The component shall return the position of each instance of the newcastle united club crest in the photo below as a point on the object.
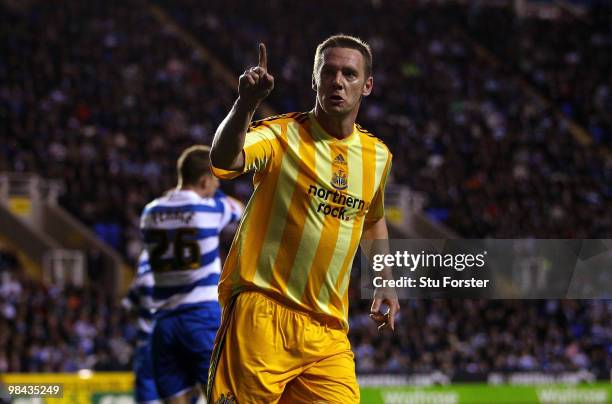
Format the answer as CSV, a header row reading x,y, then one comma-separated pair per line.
x,y
340,176
339,180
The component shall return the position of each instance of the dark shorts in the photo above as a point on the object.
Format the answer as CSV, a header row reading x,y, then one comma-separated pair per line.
x,y
143,369
182,344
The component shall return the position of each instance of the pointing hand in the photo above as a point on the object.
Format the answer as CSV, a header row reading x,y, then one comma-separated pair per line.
x,y
255,84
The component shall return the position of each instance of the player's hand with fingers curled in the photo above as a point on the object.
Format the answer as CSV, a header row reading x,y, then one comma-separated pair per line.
x,y
255,84
388,297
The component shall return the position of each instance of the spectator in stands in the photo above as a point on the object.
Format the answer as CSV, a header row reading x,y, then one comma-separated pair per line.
x,y
87,94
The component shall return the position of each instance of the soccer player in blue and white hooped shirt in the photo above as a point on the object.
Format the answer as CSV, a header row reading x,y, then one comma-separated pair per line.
x,y
181,235
139,299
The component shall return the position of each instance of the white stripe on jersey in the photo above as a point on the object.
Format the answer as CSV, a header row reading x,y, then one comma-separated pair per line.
x,y
180,278
199,294
201,220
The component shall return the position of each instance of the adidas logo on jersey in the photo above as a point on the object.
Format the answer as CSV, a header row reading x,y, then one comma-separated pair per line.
x,y
340,160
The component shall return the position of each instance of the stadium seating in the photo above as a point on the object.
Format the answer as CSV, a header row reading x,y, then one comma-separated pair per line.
x,y
47,329
566,58
105,97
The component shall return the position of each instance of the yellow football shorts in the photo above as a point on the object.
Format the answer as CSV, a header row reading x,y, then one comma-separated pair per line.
x,y
266,352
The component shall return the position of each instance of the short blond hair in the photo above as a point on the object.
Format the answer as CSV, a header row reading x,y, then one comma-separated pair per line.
x,y
192,164
343,41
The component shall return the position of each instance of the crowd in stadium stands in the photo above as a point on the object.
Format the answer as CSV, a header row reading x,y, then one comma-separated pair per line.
x,y
105,97
492,159
51,329
479,336
84,328
569,59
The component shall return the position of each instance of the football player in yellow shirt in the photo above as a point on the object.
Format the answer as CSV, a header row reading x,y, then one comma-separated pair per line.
x,y
319,191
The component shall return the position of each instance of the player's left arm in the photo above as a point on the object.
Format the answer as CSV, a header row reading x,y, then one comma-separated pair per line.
x,y
236,208
375,240
233,210
131,301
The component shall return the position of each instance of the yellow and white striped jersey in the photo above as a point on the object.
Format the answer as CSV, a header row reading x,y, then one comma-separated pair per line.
x,y
301,228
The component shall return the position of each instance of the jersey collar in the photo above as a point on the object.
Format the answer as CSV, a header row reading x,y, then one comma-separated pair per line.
x,y
319,133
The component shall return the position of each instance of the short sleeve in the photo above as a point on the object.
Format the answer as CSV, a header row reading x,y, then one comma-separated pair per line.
x,y
236,209
232,211
259,145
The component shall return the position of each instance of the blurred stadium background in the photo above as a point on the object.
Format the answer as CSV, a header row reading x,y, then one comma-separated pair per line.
x,y
499,115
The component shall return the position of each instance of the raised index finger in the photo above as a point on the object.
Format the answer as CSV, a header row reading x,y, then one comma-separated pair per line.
x,y
263,57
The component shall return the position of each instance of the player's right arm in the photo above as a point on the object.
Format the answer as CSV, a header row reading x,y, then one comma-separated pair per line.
x,y
254,85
